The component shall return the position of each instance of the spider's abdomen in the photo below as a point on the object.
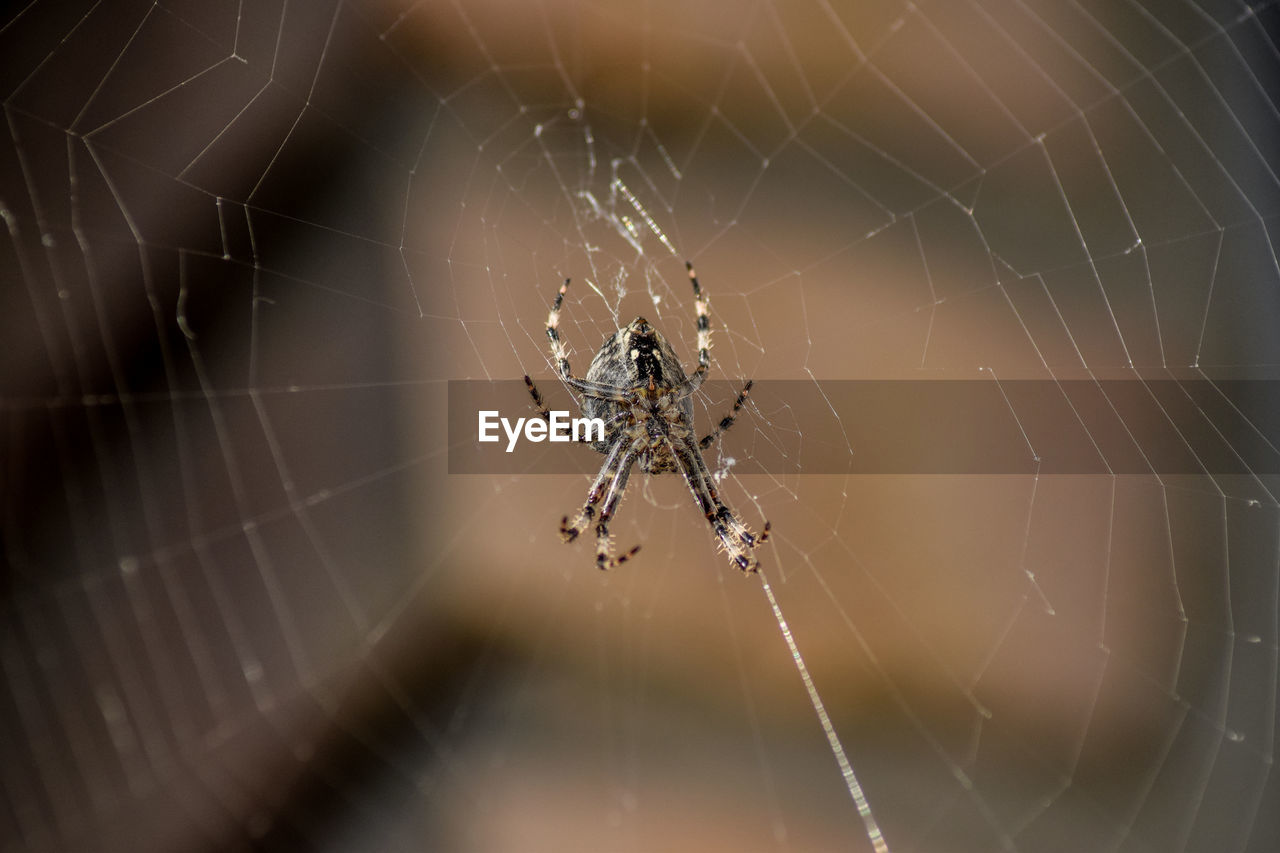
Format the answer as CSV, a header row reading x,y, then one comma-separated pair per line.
x,y
638,359
636,356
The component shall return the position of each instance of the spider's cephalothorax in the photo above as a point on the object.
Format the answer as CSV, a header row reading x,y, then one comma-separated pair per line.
x,y
635,384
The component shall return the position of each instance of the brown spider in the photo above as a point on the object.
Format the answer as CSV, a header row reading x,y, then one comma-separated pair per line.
x,y
635,384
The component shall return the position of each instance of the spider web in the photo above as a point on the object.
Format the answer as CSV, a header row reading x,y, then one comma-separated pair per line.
x,y
249,245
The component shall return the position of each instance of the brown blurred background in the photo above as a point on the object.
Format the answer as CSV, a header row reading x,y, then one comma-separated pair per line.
x,y
247,606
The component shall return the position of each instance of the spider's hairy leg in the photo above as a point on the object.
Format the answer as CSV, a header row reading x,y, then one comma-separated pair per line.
x,y
558,350
741,530
728,420
605,559
538,403
543,412
570,532
560,354
704,325
735,537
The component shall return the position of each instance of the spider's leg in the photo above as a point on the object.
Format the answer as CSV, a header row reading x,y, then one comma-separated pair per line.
x,y
741,530
703,321
570,532
538,403
558,350
560,353
727,420
543,412
605,559
704,336
736,538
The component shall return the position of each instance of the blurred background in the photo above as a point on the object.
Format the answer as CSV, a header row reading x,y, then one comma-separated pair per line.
x,y
247,246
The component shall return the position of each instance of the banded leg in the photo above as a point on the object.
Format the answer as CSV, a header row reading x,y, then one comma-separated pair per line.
x,y
538,403
541,405
742,531
728,420
558,351
604,558
570,532
704,336
736,538
561,355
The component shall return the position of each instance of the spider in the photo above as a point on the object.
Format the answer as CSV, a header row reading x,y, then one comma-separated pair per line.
x,y
635,384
